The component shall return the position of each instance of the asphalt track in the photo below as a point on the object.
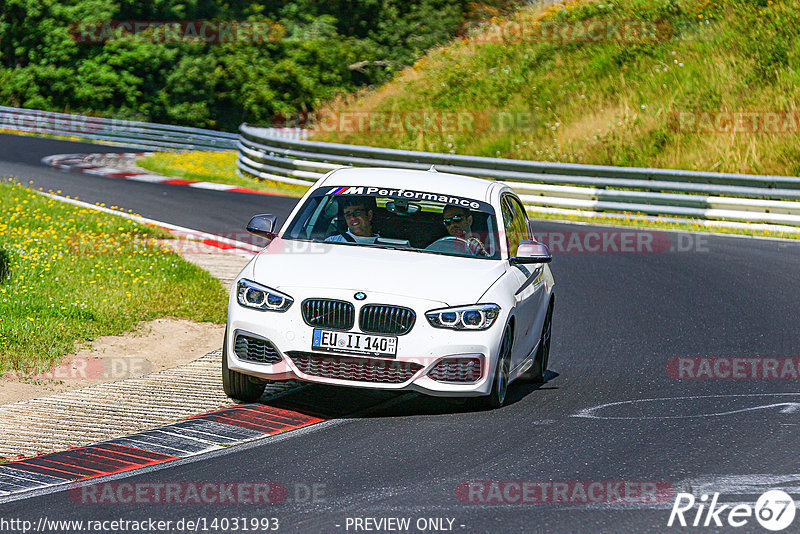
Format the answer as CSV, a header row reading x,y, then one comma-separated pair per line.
x,y
221,213
619,318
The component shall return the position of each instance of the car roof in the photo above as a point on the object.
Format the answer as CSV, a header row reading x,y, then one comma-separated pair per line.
x,y
415,180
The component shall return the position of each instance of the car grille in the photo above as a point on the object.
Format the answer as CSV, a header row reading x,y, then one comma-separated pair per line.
x,y
357,369
457,370
327,313
253,349
385,319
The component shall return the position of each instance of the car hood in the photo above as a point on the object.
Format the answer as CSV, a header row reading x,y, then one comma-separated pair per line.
x,y
450,280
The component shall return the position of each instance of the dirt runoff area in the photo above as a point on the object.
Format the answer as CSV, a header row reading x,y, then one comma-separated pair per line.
x,y
153,346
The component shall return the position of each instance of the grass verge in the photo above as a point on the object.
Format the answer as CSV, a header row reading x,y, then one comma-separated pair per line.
x,y
557,83
73,274
714,87
219,167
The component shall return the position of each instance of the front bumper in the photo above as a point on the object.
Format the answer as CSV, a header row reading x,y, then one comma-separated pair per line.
x,y
418,352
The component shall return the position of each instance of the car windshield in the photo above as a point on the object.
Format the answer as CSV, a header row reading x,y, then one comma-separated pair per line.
x,y
397,218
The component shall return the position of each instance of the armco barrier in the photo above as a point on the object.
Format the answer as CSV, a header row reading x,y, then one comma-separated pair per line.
x,y
729,199
136,134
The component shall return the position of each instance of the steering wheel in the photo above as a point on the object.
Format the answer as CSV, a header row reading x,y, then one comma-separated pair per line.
x,y
452,244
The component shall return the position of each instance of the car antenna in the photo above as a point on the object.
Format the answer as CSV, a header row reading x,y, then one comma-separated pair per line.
x,y
433,169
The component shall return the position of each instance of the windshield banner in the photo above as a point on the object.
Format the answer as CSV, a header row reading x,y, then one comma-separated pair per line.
x,y
408,195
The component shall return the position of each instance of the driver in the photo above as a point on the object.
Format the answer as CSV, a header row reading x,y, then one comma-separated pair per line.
x,y
358,215
458,222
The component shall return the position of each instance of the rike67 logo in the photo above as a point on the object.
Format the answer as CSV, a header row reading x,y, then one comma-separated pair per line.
x,y
774,510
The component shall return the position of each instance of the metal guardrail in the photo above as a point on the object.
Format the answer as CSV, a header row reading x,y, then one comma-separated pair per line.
x,y
545,186
136,134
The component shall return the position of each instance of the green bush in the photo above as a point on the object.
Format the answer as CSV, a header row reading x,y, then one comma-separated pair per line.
x,y
215,85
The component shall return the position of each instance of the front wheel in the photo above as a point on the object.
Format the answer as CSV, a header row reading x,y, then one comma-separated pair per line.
x,y
497,397
237,385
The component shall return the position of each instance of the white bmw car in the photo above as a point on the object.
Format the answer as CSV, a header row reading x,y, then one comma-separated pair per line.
x,y
393,279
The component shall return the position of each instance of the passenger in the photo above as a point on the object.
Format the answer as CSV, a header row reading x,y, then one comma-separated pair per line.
x,y
358,214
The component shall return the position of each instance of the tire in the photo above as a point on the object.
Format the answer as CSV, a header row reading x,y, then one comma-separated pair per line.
x,y
497,397
542,357
237,385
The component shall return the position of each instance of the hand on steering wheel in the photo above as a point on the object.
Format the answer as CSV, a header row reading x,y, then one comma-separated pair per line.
x,y
476,247
457,244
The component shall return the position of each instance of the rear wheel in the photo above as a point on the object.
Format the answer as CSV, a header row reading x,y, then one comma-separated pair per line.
x,y
542,357
497,397
237,385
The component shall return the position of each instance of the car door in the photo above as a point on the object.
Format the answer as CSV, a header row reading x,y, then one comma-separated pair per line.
x,y
529,297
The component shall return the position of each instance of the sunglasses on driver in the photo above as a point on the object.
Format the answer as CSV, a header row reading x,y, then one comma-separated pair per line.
x,y
447,221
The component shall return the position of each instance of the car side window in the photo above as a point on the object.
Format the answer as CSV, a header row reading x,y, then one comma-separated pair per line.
x,y
508,226
516,223
521,218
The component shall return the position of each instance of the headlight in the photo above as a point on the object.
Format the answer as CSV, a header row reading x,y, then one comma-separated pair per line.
x,y
253,295
476,317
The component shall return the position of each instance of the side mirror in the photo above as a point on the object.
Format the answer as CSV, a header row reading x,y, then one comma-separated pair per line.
x,y
532,252
263,225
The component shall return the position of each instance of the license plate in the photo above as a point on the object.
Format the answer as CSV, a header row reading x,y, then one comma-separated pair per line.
x,y
354,343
